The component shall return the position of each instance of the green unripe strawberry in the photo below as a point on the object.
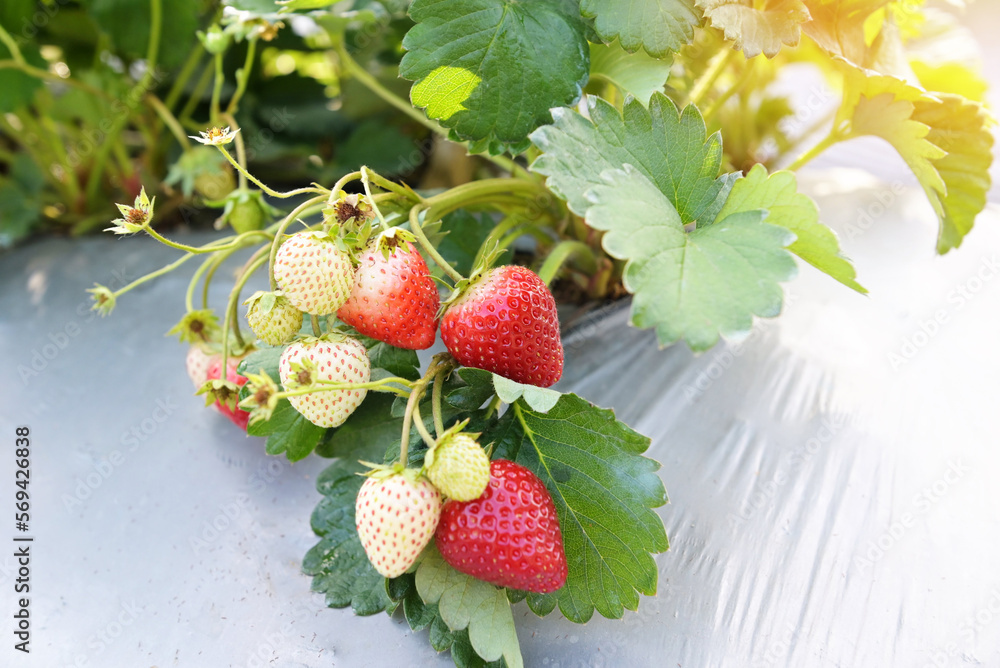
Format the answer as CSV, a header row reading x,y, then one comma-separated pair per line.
x,y
458,467
272,317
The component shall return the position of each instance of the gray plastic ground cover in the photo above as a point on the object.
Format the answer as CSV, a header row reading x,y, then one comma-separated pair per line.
x,y
831,504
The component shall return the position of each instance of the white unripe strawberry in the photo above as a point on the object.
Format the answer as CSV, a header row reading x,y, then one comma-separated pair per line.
x,y
396,515
197,362
335,359
459,467
313,273
272,317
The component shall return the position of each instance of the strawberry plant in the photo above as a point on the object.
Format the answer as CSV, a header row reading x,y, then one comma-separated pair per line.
x,y
462,481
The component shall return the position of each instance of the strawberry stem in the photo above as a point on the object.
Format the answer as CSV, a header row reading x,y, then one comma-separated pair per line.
x,y
562,252
425,242
280,232
418,422
436,403
368,194
382,385
273,193
253,264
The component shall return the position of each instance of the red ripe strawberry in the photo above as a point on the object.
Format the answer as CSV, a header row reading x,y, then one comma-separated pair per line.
x,y
394,299
396,514
506,322
239,416
509,536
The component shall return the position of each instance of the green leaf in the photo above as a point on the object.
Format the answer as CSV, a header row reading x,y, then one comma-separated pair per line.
x,y
491,69
473,388
18,88
658,26
338,563
962,128
671,150
289,433
757,28
465,602
127,22
397,361
541,399
694,285
604,491
463,234
262,360
778,195
635,74
20,200
368,433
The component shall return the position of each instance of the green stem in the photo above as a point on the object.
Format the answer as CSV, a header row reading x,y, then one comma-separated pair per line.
x,y
739,85
154,274
242,77
280,232
404,441
196,93
145,84
392,186
436,404
221,244
314,319
460,196
344,180
425,242
493,405
382,385
418,422
262,186
190,65
234,297
193,283
710,76
368,194
583,253
216,90
241,153
168,118
809,155
11,44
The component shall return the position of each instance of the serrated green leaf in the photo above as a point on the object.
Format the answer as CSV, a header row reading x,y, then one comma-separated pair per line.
x,y
635,74
262,360
670,149
962,128
465,602
127,22
604,491
658,26
290,433
469,388
490,70
694,285
338,563
778,195
541,399
397,361
757,28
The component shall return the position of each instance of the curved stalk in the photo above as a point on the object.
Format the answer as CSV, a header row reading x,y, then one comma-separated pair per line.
x,y
425,242
280,231
234,297
262,186
242,77
562,252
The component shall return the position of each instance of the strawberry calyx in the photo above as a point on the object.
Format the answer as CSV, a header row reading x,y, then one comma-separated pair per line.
x,y
442,438
482,267
201,326
263,397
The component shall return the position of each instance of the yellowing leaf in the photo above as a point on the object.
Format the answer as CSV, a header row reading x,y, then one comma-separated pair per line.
x,y
838,26
962,128
953,78
883,106
754,28
945,139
